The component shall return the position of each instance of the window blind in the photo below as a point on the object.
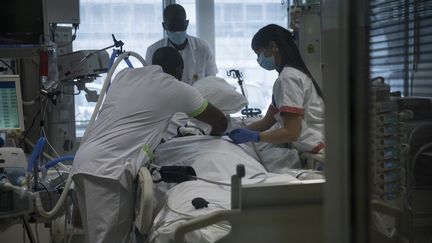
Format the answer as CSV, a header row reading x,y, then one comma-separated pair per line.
x,y
400,44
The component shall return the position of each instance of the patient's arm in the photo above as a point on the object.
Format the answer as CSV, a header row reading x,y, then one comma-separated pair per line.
x,y
214,117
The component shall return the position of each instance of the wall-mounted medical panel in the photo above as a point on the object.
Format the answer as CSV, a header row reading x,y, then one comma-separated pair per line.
x,y
63,11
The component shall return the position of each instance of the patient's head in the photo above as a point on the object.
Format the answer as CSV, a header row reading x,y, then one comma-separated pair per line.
x,y
170,60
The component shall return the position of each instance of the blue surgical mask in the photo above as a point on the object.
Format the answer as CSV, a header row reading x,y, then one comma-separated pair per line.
x,y
268,63
178,37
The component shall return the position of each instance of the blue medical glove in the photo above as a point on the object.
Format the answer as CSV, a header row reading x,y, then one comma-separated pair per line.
x,y
243,135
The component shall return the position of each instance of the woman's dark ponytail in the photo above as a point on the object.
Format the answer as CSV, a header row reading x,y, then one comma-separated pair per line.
x,y
290,54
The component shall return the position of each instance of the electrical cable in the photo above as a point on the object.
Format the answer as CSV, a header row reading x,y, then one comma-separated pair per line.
x,y
71,93
49,144
43,130
210,181
229,184
49,195
61,177
31,126
44,113
33,101
259,174
52,29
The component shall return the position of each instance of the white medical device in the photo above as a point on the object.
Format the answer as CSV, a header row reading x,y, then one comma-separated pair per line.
x,y
12,171
144,201
82,64
11,110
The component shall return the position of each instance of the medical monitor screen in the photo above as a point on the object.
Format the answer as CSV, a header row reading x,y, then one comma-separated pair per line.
x,y
11,117
21,23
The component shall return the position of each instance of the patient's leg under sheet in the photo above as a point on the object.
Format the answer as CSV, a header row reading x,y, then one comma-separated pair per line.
x,y
212,158
178,208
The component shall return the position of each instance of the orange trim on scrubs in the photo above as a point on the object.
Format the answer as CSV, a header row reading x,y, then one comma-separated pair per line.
x,y
273,108
292,110
318,148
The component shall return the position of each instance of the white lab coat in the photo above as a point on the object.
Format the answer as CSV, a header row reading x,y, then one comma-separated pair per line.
x,y
130,124
198,58
294,92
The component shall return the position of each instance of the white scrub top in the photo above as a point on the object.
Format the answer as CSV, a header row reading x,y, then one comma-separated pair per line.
x,y
134,115
294,92
198,58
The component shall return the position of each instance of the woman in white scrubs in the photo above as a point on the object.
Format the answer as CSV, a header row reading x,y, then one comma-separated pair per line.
x,y
297,105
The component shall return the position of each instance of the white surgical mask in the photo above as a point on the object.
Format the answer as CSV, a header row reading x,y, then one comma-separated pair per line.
x,y
268,63
177,37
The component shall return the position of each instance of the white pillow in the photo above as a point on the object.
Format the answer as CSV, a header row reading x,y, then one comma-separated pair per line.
x,y
221,94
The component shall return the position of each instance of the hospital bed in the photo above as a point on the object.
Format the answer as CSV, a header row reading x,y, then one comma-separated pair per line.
x,y
281,202
268,213
276,199
280,206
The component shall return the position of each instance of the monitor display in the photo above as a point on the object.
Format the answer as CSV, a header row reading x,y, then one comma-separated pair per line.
x,y
11,111
21,23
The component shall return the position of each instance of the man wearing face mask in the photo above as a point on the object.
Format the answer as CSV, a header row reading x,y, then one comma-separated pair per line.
x,y
197,55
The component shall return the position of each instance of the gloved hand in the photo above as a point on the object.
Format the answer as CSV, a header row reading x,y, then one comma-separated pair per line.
x,y
243,135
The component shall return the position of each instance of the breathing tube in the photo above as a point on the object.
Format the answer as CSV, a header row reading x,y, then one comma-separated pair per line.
x,y
36,153
56,161
107,83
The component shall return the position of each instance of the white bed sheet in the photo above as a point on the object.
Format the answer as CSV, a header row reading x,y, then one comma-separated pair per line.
x,y
214,159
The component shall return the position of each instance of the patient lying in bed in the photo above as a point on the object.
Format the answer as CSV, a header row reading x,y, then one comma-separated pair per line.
x,y
213,159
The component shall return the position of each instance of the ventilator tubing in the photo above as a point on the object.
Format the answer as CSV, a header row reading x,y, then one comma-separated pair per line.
x,y
106,84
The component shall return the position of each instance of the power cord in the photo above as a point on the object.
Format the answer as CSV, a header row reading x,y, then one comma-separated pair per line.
x,y
229,184
178,174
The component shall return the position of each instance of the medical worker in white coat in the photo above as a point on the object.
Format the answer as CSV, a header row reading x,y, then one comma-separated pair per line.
x,y
136,111
297,104
198,58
